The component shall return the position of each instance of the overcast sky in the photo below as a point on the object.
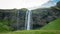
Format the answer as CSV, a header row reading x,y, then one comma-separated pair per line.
x,y
10,4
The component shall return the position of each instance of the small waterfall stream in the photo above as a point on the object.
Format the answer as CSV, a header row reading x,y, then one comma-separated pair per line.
x,y
18,20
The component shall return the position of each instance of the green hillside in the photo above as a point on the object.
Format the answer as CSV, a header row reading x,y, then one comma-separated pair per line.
x,y
54,25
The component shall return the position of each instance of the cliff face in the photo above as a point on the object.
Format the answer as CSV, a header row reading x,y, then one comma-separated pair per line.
x,y
46,15
40,17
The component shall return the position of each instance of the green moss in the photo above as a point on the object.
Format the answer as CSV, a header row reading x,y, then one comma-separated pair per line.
x,y
4,26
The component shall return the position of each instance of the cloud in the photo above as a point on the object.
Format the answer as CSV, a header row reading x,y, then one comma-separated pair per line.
x,y
10,4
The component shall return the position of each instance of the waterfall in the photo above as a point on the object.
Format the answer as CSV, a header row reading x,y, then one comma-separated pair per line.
x,y
28,20
18,20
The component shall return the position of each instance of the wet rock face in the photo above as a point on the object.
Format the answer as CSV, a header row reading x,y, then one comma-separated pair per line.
x,y
37,26
43,17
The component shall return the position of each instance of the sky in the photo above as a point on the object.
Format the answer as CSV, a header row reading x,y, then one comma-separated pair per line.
x,y
55,1
29,4
50,3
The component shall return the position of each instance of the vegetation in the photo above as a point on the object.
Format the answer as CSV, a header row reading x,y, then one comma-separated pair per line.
x,y
4,26
35,32
54,25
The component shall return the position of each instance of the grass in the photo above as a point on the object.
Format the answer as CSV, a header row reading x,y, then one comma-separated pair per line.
x,y
35,32
54,25
52,28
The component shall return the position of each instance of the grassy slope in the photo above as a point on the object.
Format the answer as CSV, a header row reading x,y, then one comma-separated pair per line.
x,y
54,25
51,28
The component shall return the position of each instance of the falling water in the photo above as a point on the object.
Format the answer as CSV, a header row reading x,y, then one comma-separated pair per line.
x,y
28,20
18,20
